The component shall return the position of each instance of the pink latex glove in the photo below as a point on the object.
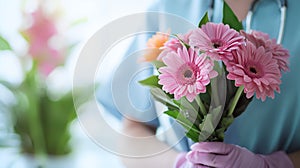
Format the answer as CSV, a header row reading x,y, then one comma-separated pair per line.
x,y
218,154
181,161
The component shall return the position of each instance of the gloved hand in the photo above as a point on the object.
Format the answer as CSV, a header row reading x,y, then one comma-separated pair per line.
x,y
218,154
181,161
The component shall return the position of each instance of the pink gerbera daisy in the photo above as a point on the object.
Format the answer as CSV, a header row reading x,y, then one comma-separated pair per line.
x,y
255,69
278,52
186,73
217,40
170,46
281,55
173,44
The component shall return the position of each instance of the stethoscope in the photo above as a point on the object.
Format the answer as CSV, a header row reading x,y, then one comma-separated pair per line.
x,y
282,6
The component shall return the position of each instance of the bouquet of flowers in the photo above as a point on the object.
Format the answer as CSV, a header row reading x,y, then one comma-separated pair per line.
x,y
209,75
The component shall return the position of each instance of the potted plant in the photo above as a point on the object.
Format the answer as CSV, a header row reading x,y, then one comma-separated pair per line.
x,y
41,117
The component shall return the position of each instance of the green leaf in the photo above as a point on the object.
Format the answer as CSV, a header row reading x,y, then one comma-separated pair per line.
x,y
209,123
192,131
151,81
230,18
181,119
224,124
241,105
4,45
204,20
162,97
191,109
25,36
186,105
226,121
158,64
192,135
56,116
187,46
205,97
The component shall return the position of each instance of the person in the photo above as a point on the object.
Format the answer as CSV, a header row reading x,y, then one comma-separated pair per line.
x,y
267,133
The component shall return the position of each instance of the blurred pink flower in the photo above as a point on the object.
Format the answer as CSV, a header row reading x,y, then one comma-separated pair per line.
x,y
217,40
48,64
186,73
173,44
278,52
255,69
43,28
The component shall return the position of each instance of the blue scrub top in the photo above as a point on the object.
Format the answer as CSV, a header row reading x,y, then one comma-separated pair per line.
x,y
267,126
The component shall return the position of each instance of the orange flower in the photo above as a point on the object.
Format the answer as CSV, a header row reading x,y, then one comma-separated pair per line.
x,y
154,44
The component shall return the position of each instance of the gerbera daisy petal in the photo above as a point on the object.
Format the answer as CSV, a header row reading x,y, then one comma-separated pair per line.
x,y
217,40
170,60
186,73
280,54
256,70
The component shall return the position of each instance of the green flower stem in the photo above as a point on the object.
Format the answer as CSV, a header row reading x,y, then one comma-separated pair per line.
x,y
35,126
235,100
201,105
214,83
36,131
214,93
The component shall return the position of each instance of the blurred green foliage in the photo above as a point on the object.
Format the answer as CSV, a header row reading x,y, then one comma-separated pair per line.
x,y
41,122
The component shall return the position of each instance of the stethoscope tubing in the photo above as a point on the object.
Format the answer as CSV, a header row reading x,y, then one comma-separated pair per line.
x,y
283,9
